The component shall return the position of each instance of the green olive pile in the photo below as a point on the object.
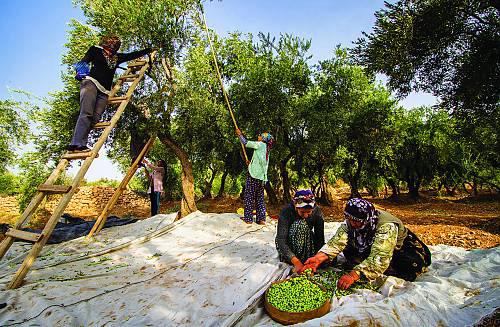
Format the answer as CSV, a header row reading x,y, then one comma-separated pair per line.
x,y
297,294
329,278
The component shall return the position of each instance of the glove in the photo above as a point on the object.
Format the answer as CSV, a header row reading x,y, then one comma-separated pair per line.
x,y
347,280
297,264
82,70
311,263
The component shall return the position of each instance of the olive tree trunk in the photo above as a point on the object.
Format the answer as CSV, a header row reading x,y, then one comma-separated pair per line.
x,y
188,204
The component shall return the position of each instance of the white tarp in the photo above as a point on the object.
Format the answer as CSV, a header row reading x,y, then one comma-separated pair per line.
x,y
211,270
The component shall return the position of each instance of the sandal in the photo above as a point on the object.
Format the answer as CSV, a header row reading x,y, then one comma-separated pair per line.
x,y
245,221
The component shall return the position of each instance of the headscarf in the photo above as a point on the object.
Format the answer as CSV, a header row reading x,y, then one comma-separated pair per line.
x,y
363,211
269,140
111,43
304,199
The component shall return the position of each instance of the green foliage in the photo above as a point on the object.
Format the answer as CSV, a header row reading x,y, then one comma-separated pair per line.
x,y
9,183
355,111
452,50
329,278
448,48
13,131
330,121
34,172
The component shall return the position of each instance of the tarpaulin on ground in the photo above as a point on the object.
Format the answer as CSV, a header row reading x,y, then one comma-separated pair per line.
x,y
211,270
74,227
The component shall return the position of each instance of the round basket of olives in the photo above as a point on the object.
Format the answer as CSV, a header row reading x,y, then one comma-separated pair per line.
x,y
295,300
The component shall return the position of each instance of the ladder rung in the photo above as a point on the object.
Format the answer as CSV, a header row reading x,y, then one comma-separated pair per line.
x,y
102,124
56,189
137,63
77,155
20,234
117,100
127,77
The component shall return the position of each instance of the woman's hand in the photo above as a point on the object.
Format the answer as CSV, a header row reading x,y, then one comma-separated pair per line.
x,y
297,265
238,132
311,263
347,280
314,262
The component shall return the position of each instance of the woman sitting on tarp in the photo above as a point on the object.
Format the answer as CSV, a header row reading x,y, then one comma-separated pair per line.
x,y
300,232
374,243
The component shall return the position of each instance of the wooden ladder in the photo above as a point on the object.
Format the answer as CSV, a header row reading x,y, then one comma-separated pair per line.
x,y
134,74
101,220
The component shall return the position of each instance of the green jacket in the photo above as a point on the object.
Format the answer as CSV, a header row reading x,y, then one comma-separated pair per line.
x,y
258,165
389,235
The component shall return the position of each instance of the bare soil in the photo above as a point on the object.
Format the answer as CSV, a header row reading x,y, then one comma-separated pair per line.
x,y
465,222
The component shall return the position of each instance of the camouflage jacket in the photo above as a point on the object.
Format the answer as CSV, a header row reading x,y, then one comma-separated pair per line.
x,y
380,256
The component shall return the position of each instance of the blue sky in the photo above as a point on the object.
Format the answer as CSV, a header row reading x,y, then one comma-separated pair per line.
x,y
33,34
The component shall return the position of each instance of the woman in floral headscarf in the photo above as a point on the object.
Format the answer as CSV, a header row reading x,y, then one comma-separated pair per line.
x,y
374,243
95,86
256,177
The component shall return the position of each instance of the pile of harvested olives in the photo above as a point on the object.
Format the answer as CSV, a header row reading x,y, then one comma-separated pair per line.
x,y
329,278
297,294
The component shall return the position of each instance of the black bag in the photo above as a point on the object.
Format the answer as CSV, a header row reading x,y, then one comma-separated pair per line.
x,y
410,260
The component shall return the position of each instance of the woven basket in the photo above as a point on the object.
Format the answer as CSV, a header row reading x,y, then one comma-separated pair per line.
x,y
289,318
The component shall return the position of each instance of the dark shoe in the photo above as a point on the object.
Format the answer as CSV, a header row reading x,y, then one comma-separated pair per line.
x,y
71,147
262,222
246,221
82,148
3,305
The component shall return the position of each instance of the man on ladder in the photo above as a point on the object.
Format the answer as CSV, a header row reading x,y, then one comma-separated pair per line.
x,y
96,84
104,63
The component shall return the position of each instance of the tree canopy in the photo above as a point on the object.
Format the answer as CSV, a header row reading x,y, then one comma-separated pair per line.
x,y
448,48
331,119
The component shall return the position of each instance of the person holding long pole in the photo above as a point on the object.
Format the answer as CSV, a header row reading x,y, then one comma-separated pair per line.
x,y
256,177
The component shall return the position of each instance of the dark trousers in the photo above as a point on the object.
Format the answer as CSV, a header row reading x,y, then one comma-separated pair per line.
x,y
254,199
155,202
92,105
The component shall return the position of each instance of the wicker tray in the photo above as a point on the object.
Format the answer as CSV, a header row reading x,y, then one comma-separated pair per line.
x,y
289,318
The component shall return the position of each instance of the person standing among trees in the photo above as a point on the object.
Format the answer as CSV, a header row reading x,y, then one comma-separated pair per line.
x,y
300,233
155,178
374,243
256,177
95,86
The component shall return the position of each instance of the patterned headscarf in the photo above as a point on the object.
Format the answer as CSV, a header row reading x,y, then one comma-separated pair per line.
x,y
112,43
360,210
269,140
304,199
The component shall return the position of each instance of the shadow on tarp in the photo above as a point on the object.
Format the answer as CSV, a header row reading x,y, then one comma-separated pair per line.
x,y
73,227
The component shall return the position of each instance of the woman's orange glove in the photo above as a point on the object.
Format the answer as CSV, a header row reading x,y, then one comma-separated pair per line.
x,y
297,264
347,280
311,263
